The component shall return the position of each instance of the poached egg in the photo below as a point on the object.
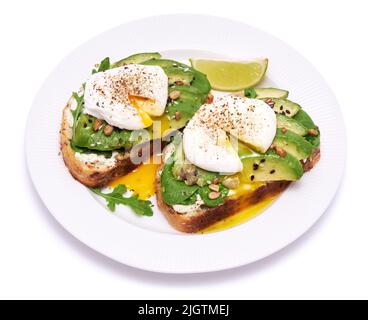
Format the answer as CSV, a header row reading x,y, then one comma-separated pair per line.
x,y
206,143
127,97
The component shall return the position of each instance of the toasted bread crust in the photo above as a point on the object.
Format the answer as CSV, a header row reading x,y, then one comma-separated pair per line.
x,y
209,216
87,174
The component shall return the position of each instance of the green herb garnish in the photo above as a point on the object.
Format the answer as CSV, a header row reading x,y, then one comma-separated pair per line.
x,y
250,93
103,66
76,113
140,207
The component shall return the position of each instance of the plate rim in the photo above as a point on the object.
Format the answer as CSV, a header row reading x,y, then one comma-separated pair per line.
x,y
208,268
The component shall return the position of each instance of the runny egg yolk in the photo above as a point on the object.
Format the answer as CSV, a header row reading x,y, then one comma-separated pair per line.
x,y
240,217
165,125
245,214
141,180
244,187
140,103
145,106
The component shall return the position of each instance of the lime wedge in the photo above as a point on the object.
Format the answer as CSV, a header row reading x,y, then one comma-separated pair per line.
x,y
231,75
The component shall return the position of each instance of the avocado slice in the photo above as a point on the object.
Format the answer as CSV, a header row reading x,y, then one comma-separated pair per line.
x,y
271,167
188,89
137,58
271,93
179,75
244,151
194,90
185,106
165,63
315,141
283,106
291,124
199,80
86,137
293,144
304,118
174,70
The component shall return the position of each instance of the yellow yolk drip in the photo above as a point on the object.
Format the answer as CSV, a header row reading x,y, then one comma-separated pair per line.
x,y
136,102
165,124
245,214
141,180
244,187
240,217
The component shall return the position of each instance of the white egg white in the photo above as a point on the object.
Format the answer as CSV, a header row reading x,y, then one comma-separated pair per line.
x,y
108,95
206,144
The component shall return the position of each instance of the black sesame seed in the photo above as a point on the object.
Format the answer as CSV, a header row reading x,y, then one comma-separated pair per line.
x,y
272,171
288,111
281,108
263,160
252,177
85,125
255,166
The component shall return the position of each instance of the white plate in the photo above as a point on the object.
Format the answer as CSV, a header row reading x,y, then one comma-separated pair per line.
x,y
150,243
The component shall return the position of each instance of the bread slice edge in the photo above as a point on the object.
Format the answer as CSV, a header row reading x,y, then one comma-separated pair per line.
x,y
206,217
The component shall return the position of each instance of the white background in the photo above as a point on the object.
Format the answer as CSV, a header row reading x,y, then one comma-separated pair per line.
x,y
38,259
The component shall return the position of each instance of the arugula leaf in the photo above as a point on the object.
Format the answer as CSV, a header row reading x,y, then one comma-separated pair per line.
x,y
250,93
103,66
76,113
140,207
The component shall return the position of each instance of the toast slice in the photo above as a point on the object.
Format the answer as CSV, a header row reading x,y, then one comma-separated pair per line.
x,y
94,170
204,217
